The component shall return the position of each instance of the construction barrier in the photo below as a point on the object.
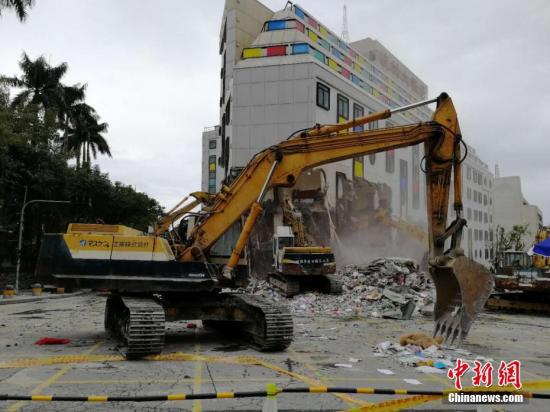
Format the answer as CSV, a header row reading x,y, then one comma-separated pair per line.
x,y
271,390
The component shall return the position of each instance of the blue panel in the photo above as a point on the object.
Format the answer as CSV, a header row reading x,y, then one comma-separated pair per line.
x,y
300,48
355,79
299,13
276,25
336,53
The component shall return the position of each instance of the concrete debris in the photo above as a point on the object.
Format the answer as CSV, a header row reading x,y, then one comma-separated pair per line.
x,y
386,287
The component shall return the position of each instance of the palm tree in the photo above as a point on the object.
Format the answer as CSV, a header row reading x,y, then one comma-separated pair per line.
x,y
20,7
41,84
85,134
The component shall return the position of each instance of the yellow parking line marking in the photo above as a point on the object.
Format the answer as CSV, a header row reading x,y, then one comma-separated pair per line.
x,y
197,381
49,382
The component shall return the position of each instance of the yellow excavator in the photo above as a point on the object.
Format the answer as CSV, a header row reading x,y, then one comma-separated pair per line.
x,y
299,264
149,284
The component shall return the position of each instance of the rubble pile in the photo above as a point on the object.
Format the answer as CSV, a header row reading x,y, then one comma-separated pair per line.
x,y
386,287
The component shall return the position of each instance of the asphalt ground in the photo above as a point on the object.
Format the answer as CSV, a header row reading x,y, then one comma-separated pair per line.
x,y
200,361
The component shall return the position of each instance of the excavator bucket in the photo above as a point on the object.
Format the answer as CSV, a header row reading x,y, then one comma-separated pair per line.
x,y
463,286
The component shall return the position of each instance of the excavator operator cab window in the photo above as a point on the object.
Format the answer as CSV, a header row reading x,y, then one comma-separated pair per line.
x,y
280,242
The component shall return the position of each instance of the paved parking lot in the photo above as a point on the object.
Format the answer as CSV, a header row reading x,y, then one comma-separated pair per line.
x,y
198,361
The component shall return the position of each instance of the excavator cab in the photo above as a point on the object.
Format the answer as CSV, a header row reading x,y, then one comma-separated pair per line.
x,y
283,238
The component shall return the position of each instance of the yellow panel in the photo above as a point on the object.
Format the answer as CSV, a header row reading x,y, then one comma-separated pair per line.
x,y
323,31
357,67
212,167
333,65
256,52
312,35
358,167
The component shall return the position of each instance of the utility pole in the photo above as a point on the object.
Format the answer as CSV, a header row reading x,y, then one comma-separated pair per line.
x,y
21,225
345,32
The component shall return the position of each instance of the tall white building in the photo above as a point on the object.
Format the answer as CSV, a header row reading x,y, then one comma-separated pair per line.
x,y
511,208
285,71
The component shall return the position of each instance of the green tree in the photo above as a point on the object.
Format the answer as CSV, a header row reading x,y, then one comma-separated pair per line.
x,y
81,134
85,134
40,83
20,7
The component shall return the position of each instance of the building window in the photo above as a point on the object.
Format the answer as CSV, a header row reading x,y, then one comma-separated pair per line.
x,y
323,96
486,253
212,174
343,108
475,215
469,213
228,112
469,173
485,200
390,161
358,112
485,220
469,193
486,235
212,144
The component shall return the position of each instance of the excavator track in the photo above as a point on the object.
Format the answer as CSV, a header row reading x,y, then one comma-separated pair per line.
x,y
289,285
270,327
335,286
138,322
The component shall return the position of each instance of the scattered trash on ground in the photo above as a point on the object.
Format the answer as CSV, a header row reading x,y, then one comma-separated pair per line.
x,y
386,371
386,287
52,341
435,358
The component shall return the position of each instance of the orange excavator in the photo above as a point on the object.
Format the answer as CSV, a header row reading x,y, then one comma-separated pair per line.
x,y
151,282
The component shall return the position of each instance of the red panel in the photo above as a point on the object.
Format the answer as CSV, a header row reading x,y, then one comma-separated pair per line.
x,y
312,22
347,60
345,73
300,26
276,51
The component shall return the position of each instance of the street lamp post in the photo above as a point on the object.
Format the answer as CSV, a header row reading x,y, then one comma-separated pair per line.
x,y
21,223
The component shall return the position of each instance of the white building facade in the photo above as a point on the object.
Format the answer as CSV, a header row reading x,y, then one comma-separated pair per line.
x,y
511,208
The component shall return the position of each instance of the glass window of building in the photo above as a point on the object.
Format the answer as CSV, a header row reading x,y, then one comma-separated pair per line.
x,y
469,173
342,108
212,144
212,174
323,96
469,213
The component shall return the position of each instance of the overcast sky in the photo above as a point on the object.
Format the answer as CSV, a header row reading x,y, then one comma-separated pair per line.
x,y
152,69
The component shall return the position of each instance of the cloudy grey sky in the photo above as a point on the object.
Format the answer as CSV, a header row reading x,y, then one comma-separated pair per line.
x,y
152,69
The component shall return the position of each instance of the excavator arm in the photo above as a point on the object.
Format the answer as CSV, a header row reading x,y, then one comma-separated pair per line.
x,y
462,285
